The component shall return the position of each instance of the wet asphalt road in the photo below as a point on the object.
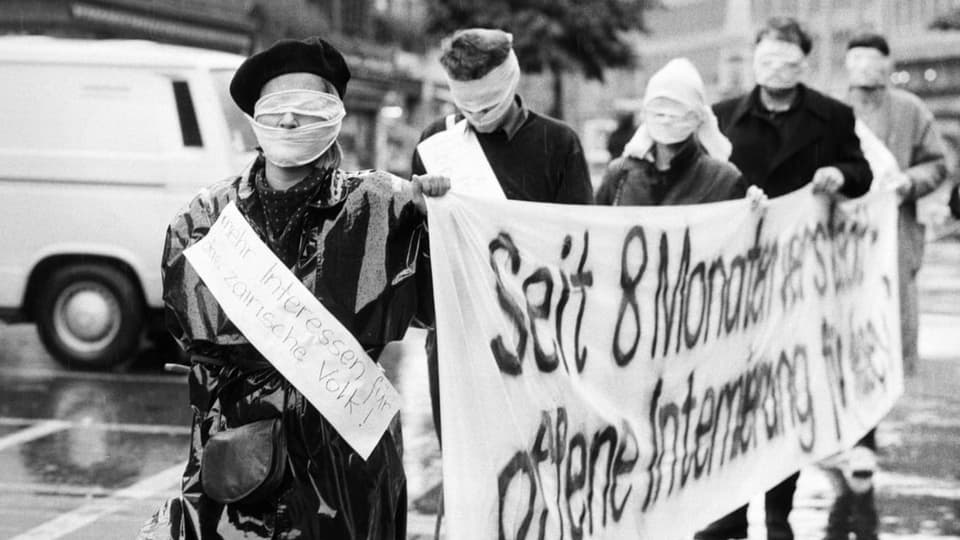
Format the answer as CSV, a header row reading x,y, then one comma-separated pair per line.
x,y
91,455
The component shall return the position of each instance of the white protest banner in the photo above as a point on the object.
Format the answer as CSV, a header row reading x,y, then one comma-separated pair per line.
x,y
637,372
292,329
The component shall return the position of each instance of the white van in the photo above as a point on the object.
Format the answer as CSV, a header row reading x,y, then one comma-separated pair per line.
x,y
100,143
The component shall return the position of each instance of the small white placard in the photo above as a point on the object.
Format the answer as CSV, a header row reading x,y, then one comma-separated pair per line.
x,y
292,329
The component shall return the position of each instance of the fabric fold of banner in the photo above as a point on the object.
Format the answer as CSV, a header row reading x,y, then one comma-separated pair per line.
x,y
636,372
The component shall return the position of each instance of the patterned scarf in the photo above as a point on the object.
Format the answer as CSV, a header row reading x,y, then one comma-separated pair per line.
x,y
284,210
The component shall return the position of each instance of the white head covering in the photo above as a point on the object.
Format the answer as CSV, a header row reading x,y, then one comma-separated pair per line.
x,y
867,66
679,81
779,64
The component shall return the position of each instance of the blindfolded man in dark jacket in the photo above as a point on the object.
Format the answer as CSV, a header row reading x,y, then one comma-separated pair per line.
x,y
786,135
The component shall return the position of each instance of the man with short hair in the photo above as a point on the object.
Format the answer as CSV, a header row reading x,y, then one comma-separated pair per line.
x,y
534,157
522,155
786,135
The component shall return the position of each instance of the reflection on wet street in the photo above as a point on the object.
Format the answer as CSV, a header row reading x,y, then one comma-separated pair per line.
x,y
90,455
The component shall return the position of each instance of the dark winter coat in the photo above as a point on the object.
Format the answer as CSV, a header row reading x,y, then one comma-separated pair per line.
x,y
780,153
693,178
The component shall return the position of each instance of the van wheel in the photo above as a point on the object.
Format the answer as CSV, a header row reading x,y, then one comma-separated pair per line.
x,y
89,316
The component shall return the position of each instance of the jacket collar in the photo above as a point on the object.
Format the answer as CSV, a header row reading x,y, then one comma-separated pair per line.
x,y
517,117
807,99
685,156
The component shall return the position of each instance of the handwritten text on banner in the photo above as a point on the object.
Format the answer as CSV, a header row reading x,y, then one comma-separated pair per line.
x,y
292,329
639,372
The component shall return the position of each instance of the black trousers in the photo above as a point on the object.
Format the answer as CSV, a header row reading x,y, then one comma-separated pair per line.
x,y
779,503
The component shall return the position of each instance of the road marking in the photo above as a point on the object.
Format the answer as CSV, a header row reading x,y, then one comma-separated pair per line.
x,y
42,373
67,523
35,431
149,429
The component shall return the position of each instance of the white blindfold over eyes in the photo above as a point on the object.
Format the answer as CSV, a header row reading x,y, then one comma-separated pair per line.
x,y
305,102
779,53
490,90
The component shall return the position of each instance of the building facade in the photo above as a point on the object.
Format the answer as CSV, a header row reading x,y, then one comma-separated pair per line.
x,y
227,25
387,87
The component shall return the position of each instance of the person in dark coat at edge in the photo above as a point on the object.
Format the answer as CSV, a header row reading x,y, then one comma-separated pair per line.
x,y
534,157
352,239
677,155
786,135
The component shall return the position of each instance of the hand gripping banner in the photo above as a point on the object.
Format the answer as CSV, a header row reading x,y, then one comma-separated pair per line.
x,y
637,372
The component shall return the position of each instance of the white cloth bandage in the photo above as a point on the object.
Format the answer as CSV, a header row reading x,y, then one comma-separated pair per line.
x,y
292,147
484,101
867,67
778,64
680,83
314,103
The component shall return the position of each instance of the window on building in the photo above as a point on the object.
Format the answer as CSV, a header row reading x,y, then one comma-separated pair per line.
x,y
353,18
99,110
189,127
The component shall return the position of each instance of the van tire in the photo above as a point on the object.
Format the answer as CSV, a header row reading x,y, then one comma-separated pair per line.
x,y
89,316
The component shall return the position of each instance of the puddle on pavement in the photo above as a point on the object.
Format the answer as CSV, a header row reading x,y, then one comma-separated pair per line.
x,y
97,400
92,457
421,451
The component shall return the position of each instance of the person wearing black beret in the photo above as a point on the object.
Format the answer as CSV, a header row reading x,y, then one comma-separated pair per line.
x,y
352,239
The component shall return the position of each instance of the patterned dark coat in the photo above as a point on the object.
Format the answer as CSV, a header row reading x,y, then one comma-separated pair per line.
x,y
359,254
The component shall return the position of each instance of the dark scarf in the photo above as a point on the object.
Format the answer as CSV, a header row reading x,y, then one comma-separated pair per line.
x,y
284,210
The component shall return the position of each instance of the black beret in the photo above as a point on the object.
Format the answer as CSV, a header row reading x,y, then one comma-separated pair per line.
x,y
310,55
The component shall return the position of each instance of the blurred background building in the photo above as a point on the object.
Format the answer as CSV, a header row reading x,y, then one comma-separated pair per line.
x,y
390,93
398,85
